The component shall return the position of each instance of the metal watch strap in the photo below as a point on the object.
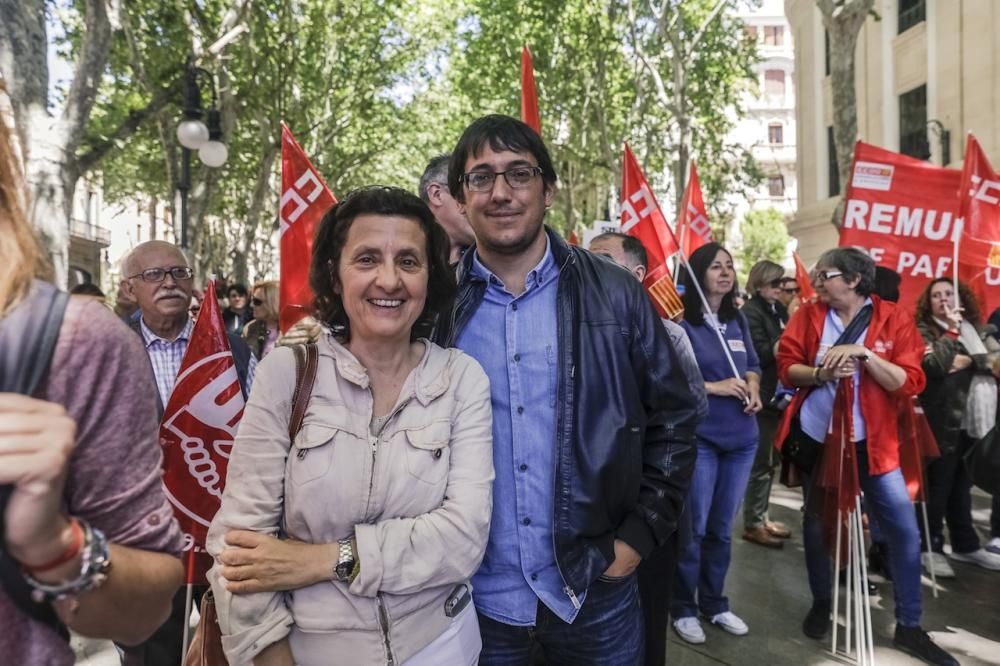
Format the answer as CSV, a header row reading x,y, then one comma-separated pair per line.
x,y
345,554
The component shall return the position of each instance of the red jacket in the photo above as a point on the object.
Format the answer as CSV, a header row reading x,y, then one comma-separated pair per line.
x,y
892,335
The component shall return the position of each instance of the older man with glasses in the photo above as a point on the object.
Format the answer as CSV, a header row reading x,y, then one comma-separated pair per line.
x,y
159,280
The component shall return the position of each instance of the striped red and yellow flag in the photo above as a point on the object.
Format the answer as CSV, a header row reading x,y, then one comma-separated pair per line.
x,y
663,291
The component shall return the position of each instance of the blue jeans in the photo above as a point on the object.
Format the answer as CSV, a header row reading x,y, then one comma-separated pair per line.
x,y
887,499
607,631
717,488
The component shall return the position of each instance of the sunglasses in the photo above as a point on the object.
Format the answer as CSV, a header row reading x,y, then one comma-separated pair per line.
x,y
790,290
257,302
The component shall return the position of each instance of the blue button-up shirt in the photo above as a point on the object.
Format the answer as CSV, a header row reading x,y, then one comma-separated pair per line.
x,y
514,338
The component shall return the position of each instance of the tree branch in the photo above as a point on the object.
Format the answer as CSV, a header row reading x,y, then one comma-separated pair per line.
x,y
128,126
94,49
698,36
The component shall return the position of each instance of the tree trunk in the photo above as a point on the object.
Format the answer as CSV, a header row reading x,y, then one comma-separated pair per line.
x,y
843,21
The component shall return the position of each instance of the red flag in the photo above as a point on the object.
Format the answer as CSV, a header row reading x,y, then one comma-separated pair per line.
x,y
304,200
573,239
643,219
837,483
917,446
979,245
903,211
693,228
529,97
806,291
198,428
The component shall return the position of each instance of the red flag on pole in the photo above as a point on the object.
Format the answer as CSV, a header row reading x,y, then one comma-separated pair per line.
x,y
979,244
529,97
642,218
304,200
806,291
198,428
573,239
693,228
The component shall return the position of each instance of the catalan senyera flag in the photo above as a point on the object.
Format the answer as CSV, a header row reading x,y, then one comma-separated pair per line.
x,y
806,290
529,95
979,245
693,228
198,430
304,200
642,218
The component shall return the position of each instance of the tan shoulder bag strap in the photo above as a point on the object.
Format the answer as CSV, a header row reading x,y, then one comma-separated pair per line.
x,y
306,362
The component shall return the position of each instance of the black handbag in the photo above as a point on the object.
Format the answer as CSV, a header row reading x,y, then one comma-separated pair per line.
x,y
983,462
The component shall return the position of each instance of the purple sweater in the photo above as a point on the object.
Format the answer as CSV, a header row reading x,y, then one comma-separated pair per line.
x,y
99,373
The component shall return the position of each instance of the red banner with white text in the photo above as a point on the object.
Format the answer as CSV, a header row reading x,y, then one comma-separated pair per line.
x,y
642,218
903,211
197,432
693,228
979,244
304,200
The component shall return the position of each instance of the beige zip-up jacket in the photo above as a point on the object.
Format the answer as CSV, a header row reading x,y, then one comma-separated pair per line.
x,y
418,499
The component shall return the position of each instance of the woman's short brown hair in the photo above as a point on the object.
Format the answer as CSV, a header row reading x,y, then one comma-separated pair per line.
x,y
331,236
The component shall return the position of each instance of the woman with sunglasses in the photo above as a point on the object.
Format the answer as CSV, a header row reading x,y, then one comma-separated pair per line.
x,y
262,332
767,317
850,333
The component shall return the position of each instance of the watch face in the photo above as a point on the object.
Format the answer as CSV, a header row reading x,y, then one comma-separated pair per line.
x,y
344,569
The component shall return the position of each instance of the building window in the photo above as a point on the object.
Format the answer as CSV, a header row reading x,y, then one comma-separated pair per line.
x,y
774,82
776,186
826,52
775,133
833,178
913,123
774,35
911,12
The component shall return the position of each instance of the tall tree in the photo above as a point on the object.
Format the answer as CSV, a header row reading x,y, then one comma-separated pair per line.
x,y
843,20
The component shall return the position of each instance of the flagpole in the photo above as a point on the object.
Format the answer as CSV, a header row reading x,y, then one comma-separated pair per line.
x,y
188,598
954,261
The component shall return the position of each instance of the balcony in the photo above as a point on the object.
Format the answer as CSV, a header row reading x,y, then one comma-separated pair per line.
x,y
83,230
771,153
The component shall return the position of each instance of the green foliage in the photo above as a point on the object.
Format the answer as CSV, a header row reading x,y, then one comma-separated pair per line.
x,y
765,236
372,90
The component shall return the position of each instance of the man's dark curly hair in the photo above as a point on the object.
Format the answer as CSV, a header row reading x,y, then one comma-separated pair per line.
x,y
331,236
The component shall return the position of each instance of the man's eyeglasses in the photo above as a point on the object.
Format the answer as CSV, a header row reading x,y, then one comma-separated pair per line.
x,y
790,290
823,276
518,178
178,273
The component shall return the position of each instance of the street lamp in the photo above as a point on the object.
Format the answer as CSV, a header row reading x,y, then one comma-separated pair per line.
x,y
193,135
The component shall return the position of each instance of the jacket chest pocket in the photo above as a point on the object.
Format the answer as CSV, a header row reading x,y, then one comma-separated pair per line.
x,y
428,451
313,451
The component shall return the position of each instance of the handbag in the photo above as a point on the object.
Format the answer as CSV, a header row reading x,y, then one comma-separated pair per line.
x,y
982,460
206,645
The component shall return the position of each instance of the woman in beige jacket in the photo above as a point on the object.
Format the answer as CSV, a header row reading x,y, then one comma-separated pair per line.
x,y
383,500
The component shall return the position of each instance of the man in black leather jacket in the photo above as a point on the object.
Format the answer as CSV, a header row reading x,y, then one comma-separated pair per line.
x,y
620,453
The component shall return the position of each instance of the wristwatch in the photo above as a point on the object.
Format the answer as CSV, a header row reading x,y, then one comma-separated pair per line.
x,y
94,568
868,355
345,561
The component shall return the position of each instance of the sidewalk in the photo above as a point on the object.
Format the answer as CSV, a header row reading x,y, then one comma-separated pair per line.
x,y
768,589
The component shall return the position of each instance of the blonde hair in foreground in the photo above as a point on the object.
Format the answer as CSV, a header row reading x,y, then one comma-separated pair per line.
x,y
19,252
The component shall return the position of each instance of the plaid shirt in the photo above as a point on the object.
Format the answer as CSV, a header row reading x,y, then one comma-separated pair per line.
x,y
166,356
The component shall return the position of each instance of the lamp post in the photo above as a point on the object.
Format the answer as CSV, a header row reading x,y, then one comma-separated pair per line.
x,y
193,134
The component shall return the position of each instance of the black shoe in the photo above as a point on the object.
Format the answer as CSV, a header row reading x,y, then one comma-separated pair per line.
x,y
872,587
914,641
817,622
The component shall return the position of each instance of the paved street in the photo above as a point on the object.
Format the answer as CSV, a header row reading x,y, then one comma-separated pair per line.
x,y
768,589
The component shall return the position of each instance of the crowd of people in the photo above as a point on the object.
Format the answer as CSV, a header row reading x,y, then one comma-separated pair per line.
x,y
503,450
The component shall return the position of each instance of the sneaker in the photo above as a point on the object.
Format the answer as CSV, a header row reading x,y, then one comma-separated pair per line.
x,y
939,563
993,546
689,629
981,558
817,622
914,641
730,623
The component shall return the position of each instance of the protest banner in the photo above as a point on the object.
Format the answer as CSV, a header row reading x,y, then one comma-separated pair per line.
x,y
979,243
